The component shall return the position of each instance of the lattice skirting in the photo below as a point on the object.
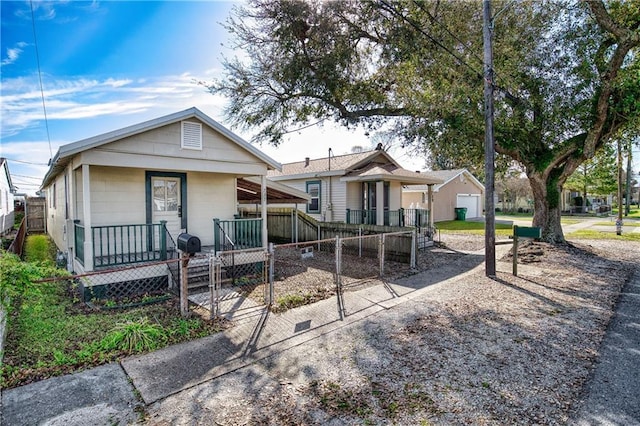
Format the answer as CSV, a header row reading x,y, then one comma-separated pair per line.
x,y
115,291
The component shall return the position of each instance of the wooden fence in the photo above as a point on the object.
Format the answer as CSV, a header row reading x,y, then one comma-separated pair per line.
x,y
35,213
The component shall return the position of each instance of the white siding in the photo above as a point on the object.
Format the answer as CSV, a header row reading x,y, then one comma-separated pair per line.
x,y
56,223
117,196
6,201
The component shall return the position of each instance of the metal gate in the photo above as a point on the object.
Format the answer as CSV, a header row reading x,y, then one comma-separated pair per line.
x,y
238,282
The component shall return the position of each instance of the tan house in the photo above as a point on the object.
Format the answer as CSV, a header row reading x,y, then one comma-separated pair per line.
x,y
124,196
360,188
458,188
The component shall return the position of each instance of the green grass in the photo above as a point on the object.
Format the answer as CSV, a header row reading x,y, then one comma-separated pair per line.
x,y
38,248
51,333
599,235
612,223
633,213
460,226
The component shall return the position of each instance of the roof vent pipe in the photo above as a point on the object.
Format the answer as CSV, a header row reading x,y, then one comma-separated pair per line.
x,y
306,161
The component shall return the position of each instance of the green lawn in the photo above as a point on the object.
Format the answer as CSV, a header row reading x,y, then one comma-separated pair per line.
x,y
50,332
460,226
599,235
633,213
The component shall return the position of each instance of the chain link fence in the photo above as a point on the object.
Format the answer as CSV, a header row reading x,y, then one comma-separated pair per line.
x,y
284,276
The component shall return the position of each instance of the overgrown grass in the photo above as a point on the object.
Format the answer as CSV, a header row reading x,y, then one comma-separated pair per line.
x,y
590,234
51,333
38,248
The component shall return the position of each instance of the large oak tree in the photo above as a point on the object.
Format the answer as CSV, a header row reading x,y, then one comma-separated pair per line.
x,y
567,75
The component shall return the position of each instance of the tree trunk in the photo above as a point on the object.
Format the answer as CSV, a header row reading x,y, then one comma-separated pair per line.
x,y
547,196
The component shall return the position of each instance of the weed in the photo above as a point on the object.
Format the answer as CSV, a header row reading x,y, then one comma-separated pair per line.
x,y
134,336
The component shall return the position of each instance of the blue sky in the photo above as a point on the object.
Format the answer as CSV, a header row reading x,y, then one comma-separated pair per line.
x,y
109,64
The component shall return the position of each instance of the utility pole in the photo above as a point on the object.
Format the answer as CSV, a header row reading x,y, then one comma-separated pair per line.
x,y
489,149
628,189
620,206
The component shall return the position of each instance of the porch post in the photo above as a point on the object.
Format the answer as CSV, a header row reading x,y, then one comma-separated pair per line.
x,y
430,204
263,199
86,215
379,203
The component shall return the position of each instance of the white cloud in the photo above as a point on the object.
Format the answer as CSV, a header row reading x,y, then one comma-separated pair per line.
x,y
75,99
13,53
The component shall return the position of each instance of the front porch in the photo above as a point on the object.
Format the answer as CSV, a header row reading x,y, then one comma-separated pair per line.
x,y
114,246
418,218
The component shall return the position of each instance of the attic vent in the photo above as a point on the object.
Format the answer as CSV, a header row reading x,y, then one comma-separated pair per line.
x,y
191,135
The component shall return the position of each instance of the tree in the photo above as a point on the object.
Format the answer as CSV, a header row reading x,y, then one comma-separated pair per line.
x,y
596,176
567,75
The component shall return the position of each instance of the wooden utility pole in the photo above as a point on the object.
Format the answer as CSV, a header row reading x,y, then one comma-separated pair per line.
x,y
489,149
620,205
627,198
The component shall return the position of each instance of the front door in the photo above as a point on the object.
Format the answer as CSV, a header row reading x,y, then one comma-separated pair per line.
x,y
167,203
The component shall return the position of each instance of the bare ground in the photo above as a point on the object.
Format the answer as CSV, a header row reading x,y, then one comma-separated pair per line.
x,y
510,350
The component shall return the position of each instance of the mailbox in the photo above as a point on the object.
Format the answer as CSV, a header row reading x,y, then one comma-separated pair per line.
x,y
188,243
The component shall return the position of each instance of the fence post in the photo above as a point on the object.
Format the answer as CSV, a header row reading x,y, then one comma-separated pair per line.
x,y
214,282
348,216
216,235
414,242
338,253
271,256
401,218
184,285
163,240
360,242
381,253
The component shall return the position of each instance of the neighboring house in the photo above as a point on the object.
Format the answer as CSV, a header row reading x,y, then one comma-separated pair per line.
x,y
125,196
358,188
7,192
459,188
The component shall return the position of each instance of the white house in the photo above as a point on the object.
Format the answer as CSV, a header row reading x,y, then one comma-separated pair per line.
x,y
7,192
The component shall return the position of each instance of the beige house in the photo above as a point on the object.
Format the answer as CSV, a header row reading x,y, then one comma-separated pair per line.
x,y
125,196
358,188
458,188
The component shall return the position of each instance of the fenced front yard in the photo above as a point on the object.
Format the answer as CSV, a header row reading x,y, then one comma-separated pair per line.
x,y
282,277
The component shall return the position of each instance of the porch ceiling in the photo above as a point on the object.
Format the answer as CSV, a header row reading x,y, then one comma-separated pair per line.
x,y
248,190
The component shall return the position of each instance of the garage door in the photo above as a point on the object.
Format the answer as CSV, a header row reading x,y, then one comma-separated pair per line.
x,y
471,202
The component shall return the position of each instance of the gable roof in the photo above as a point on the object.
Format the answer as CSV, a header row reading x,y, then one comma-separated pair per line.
x,y
362,166
445,176
334,165
65,152
5,166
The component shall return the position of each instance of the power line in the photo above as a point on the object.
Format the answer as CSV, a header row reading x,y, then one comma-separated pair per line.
x,y
44,108
27,162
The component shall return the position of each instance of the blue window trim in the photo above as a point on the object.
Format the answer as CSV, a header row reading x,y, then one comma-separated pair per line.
x,y
319,183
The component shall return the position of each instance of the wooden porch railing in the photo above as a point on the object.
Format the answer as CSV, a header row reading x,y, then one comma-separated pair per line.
x,y
115,245
237,234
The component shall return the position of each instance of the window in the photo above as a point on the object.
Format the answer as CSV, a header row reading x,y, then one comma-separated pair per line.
x,y
313,189
191,135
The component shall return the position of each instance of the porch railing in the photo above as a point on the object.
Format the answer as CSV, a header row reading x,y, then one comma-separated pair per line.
x,y
403,217
237,234
125,244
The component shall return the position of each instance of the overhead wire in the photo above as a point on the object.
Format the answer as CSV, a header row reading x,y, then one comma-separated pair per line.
x,y
44,107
